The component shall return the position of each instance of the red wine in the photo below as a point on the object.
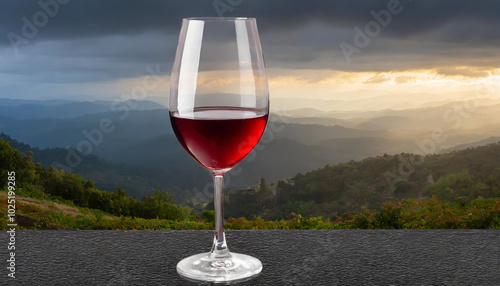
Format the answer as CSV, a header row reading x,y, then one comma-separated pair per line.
x,y
219,138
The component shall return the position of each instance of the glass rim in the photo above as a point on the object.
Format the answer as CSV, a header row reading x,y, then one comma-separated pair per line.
x,y
218,19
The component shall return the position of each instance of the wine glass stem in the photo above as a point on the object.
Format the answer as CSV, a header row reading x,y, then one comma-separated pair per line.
x,y
219,247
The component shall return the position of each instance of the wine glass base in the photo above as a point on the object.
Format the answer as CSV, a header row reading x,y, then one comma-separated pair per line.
x,y
203,268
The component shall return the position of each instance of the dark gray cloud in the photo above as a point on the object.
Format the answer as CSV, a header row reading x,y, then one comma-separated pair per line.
x,y
79,18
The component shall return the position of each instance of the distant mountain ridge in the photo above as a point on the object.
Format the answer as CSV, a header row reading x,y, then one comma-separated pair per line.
x,y
46,132
17,102
349,104
484,142
59,109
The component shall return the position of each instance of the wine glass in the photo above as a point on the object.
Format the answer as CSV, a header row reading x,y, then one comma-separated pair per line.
x,y
219,106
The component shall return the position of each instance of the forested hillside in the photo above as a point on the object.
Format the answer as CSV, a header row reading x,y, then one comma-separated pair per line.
x,y
339,192
139,181
36,181
459,176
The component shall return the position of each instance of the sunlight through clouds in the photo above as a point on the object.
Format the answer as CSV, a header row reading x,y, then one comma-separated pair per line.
x,y
81,58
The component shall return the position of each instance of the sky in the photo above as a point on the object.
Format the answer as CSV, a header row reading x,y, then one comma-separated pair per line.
x,y
404,51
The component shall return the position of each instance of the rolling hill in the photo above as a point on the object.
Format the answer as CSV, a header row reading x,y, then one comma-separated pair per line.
x,y
137,180
459,176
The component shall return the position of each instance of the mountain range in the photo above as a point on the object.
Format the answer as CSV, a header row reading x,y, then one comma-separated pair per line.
x,y
139,147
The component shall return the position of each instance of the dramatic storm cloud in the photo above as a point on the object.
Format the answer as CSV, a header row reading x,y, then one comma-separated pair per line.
x,y
97,49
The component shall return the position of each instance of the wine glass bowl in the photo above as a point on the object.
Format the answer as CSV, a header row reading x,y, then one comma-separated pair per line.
x,y
219,106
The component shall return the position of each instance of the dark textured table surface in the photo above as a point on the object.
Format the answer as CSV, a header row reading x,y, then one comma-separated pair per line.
x,y
307,257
